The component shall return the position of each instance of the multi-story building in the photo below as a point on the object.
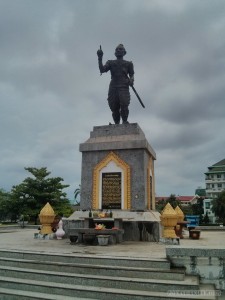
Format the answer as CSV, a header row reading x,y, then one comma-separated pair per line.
x,y
215,179
207,207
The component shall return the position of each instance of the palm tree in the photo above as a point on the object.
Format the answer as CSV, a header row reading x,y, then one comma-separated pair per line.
x,y
76,194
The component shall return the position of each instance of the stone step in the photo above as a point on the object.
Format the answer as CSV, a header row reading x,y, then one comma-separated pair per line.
x,y
88,259
103,270
81,291
10,294
189,283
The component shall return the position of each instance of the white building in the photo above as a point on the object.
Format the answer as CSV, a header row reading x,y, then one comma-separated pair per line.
x,y
215,179
215,184
207,206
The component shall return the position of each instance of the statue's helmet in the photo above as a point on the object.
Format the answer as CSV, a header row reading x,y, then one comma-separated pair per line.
x,y
120,48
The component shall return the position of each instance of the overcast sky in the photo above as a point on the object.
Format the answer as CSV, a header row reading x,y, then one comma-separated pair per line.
x,y
51,92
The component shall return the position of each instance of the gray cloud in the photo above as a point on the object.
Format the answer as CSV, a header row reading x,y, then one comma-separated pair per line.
x,y
52,93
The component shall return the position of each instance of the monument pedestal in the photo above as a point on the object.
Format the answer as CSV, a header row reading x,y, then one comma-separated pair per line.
x,y
117,169
118,175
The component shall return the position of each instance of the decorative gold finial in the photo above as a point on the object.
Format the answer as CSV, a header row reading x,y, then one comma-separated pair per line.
x,y
46,217
169,220
180,214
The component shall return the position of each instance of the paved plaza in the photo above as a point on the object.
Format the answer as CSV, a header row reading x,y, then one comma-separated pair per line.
x,y
23,239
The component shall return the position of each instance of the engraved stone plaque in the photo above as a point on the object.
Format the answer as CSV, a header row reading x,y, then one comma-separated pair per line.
x,y
111,190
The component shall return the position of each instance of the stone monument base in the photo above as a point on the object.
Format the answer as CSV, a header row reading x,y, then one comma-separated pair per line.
x,y
137,226
118,176
117,169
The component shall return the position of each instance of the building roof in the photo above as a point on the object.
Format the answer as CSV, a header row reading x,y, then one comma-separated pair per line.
x,y
180,198
200,192
217,167
220,163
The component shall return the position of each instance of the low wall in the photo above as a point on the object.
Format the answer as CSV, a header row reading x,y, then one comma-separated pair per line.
x,y
17,226
207,263
141,231
211,228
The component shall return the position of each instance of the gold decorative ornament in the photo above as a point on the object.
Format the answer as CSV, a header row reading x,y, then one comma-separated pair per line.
x,y
180,214
46,216
150,185
169,220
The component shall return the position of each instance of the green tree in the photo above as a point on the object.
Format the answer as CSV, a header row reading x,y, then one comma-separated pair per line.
x,y
173,201
8,207
218,207
206,219
4,205
198,210
160,205
34,192
198,207
187,209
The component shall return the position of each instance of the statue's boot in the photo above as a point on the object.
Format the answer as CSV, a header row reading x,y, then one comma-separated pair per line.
x,y
116,116
124,114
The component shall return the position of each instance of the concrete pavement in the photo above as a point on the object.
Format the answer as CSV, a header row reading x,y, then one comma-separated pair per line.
x,y
16,238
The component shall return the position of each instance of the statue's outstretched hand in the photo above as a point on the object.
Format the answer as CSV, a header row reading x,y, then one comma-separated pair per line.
x,y
100,52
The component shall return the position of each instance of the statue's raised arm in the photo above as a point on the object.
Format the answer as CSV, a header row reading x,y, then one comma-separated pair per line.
x,y
100,52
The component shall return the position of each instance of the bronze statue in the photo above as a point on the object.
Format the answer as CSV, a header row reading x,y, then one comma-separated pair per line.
x,y
122,76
